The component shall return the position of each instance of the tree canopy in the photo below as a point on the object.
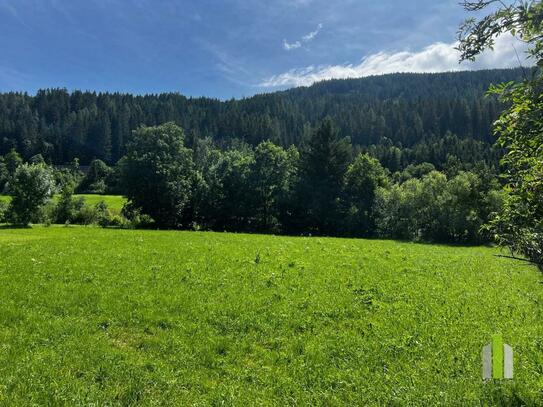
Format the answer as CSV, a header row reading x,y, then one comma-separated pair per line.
x,y
519,225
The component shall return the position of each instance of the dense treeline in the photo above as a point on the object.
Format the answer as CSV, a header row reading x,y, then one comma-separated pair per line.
x,y
401,119
325,187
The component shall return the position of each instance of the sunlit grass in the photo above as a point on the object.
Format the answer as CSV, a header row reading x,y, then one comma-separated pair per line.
x,y
114,202
119,317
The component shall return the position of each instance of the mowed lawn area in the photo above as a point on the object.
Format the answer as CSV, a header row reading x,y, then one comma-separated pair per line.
x,y
126,317
114,202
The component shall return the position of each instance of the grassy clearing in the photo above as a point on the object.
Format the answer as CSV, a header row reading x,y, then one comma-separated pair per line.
x,y
114,202
118,317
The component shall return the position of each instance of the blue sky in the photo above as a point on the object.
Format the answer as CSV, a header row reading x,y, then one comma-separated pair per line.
x,y
224,49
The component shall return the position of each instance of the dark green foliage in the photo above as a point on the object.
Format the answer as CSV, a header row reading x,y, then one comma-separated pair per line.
x,y
3,211
519,225
4,174
271,177
158,174
134,217
410,112
36,159
362,179
521,19
67,176
435,208
229,195
83,214
320,190
414,171
68,208
95,181
65,207
12,161
323,164
104,218
30,188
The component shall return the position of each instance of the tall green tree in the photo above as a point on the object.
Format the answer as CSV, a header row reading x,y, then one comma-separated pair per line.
x,y
434,208
4,174
158,175
520,127
409,110
323,164
229,204
362,179
270,177
12,160
30,188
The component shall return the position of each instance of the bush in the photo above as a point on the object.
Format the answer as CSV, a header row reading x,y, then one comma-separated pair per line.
x,y
31,187
85,215
106,219
65,207
3,212
434,208
116,221
134,218
95,180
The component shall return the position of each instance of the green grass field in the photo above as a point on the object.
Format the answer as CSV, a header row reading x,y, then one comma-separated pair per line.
x,y
114,202
120,317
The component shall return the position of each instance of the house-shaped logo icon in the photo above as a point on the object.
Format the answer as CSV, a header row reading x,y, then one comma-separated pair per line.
x,y
497,360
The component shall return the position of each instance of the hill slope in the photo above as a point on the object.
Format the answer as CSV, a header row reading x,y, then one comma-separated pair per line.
x,y
398,109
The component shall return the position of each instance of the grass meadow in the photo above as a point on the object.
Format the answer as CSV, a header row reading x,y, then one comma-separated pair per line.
x,y
94,316
114,202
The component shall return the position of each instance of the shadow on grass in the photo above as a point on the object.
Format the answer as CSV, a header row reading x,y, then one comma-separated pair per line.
x,y
8,226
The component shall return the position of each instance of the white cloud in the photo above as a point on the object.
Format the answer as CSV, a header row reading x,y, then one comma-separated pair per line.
x,y
312,34
288,46
438,57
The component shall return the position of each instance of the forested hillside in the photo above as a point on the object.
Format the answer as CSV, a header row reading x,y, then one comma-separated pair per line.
x,y
401,119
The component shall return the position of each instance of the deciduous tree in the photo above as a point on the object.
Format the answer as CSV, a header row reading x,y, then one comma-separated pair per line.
x,y
158,174
30,188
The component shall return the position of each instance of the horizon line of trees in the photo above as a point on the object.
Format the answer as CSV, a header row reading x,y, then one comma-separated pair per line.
x,y
326,187
409,112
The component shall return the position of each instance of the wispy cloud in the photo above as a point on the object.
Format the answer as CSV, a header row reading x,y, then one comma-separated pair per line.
x,y
312,34
288,46
438,57
231,68
13,79
11,11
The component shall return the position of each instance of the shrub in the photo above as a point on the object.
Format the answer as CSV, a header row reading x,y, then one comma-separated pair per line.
x,y
85,215
103,215
134,218
436,209
3,212
95,180
65,207
31,187
116,221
